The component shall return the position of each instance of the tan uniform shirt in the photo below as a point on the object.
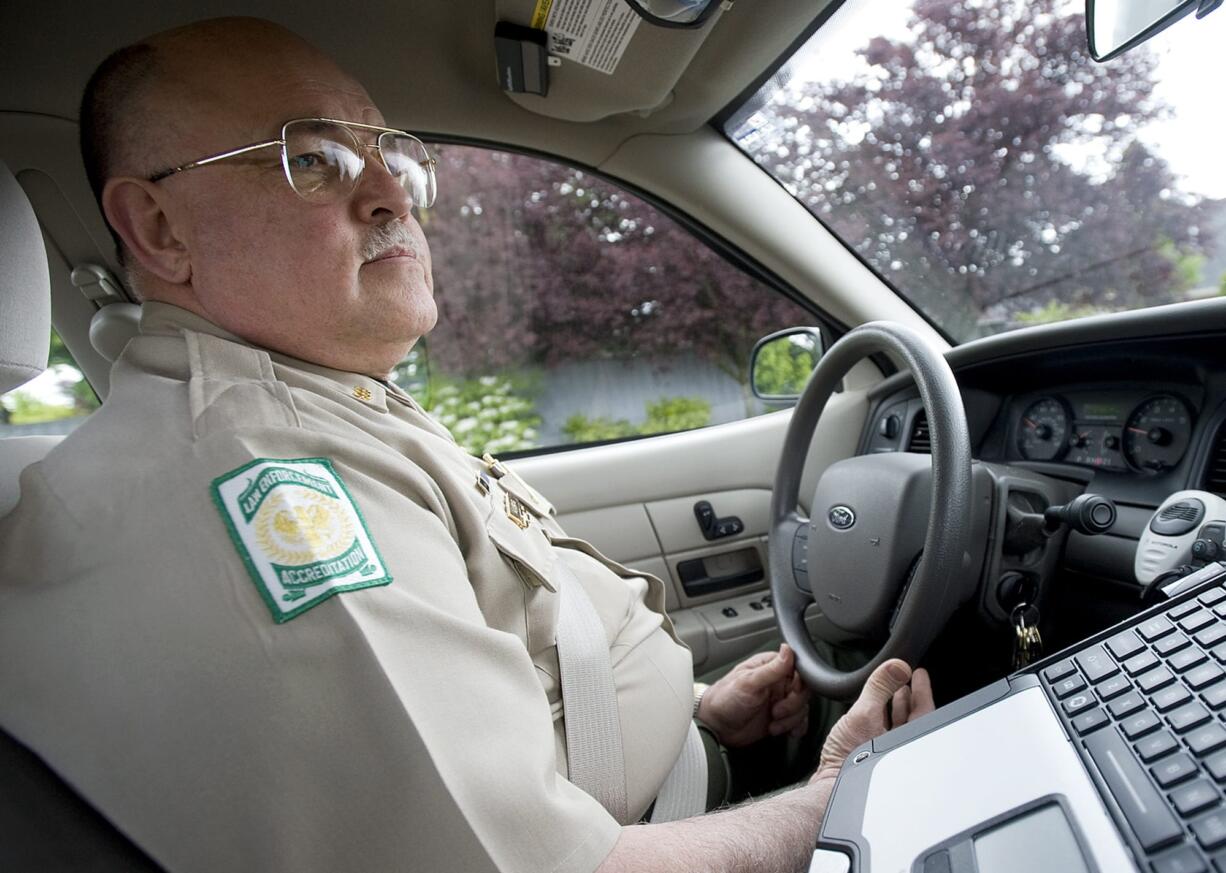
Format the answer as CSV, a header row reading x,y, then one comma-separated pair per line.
x,y
268,616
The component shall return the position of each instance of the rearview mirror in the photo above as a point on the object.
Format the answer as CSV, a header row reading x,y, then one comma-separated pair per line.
x,y
1115,26
782,363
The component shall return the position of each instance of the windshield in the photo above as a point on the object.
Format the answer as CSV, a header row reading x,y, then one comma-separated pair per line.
x,y
977,159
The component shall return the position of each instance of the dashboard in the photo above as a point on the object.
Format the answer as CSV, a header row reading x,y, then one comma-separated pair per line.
x,y
1144,430
1133,418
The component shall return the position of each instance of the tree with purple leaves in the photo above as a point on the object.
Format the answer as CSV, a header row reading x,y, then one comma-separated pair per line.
x,y
538,264
986,166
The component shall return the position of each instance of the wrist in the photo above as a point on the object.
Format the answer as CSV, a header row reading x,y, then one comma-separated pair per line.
x,y
700,693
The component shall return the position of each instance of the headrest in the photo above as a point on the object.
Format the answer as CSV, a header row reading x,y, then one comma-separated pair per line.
x,y
111,328
25,288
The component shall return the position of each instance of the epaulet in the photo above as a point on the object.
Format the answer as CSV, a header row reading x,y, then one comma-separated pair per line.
x,y
232,385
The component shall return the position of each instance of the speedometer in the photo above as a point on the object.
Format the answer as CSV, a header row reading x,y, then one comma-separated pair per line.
x,y
1043,433
1157,433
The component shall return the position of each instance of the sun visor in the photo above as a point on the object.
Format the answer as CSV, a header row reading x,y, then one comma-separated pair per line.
x,y
601,57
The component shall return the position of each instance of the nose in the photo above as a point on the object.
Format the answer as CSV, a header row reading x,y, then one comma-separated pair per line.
x,y
380,197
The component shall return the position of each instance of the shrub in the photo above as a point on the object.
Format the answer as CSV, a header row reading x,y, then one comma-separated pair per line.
x,y
489,414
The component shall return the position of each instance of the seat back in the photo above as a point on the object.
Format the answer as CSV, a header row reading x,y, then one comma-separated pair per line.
x,y
25,322
44,825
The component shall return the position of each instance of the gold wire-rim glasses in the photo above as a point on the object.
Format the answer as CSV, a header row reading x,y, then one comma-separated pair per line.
x,y
428,164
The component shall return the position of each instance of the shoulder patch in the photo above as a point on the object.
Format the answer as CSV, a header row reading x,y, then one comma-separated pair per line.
x,y
298,531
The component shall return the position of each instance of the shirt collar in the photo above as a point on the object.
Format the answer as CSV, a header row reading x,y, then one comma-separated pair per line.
x,y
159,318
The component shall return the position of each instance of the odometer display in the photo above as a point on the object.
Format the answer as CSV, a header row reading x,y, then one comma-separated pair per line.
x,y
1157,433
1044,429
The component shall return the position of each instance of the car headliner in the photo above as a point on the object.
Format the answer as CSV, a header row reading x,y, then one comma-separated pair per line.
x,y
49,50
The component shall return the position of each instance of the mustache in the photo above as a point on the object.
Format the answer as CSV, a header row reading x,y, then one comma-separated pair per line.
x,y
385,237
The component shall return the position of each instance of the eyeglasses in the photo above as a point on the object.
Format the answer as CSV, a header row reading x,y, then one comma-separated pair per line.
x,y
322,159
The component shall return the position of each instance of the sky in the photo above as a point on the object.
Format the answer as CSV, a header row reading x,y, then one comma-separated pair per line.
x,y
1188,79
1191,69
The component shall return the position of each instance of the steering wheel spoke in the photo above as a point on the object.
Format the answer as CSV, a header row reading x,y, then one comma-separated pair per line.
x,y
794,531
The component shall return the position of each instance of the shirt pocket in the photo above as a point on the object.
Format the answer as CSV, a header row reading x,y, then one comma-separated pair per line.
x,y
527,551
520,539
529,496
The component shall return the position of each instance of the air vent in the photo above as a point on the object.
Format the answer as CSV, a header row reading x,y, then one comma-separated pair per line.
x,y
1183,510
919,441
1215,473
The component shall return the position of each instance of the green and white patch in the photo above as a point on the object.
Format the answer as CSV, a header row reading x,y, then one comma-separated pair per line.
x,y
297,529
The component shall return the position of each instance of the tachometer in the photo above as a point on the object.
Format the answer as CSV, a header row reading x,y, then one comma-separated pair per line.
x,y
1043,433
1157,433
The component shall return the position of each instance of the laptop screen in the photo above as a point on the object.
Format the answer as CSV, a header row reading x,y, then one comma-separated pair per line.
x,y
1039,840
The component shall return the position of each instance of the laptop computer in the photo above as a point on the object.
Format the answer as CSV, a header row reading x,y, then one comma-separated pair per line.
x,y
1109,756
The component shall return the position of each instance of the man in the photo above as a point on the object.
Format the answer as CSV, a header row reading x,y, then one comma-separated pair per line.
x,y
277,620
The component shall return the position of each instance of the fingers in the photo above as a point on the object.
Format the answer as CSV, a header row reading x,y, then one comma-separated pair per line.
x,y
753,662
921,694
774,667
883,683
900,706
791,714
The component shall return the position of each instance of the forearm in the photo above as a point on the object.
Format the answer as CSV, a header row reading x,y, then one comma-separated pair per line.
x,y
775,835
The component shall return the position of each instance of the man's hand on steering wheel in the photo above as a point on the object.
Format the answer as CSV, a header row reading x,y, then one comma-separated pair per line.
x,y
892,696
762,696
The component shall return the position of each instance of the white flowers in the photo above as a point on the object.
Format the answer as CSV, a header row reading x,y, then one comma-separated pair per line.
x,y
486,415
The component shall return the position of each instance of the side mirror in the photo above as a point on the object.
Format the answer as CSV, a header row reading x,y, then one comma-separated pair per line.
x,y
1115,26
782,363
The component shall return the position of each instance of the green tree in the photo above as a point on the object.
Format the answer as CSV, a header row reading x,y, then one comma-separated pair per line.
x,y
581,429
1057,310
21,407
783,367
666,415
84,400
25,408
672,414
490,414
1186,266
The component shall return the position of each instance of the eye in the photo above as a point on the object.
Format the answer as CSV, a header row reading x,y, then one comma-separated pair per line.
x,y
306,161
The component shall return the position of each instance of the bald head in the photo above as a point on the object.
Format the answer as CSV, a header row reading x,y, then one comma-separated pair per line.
x,y
344,282
165,100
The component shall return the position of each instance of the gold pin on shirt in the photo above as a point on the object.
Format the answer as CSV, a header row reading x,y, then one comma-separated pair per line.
x,y
516,511
362,393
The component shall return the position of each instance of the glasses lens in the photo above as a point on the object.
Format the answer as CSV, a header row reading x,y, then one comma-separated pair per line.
x,y
407,159
322,160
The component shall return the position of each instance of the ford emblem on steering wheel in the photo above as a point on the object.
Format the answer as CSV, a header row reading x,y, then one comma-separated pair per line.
x,y
842,517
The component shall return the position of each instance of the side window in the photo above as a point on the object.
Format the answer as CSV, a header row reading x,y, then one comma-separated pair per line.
x,y
571,311
52,403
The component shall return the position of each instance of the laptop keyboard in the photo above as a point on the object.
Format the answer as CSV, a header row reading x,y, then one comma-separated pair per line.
x,y
1148,706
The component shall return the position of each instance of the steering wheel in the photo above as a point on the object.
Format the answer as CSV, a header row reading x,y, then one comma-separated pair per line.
x,y
860,548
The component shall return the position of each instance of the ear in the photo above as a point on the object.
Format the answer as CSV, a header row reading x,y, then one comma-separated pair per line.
x,y
138,210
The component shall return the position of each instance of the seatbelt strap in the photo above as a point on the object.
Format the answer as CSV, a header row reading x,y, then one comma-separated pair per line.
x,y
684,793
594,758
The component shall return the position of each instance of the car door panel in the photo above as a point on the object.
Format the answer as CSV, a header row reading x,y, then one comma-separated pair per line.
x,y
634,501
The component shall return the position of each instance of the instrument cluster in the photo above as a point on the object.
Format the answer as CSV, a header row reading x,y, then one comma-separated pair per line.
x,y
1109,430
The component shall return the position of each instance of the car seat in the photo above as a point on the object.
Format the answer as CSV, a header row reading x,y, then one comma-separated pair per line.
x,y
44,825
